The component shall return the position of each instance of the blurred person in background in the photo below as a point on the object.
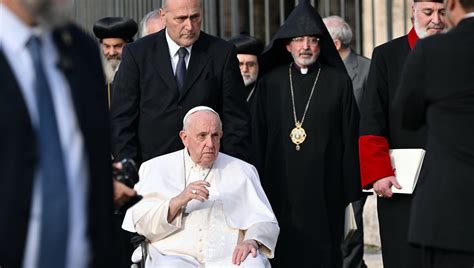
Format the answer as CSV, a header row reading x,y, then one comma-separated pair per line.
x,y
151,23
56,192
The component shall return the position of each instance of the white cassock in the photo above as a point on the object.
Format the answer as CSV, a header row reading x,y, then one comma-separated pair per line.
x,y
205,233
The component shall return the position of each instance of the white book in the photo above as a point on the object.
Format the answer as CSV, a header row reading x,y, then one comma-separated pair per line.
x,y
407,165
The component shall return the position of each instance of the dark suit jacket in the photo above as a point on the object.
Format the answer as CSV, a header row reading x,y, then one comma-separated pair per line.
x,y
147,110
382,83
378,123
357,67
437,89
19,156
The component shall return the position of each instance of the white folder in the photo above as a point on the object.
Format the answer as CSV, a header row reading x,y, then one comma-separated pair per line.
x,y
407,165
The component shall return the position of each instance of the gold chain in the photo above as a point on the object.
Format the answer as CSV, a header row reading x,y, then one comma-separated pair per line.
x,y
309,99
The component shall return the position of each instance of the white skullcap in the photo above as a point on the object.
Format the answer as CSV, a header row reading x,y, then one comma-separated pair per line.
x,y
197,109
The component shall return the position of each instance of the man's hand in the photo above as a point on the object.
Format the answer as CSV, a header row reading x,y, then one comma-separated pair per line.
x,y
122,193
383,186
243,249
195,190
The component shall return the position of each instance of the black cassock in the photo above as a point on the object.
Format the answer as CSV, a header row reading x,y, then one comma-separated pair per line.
x,y
308,189
379,121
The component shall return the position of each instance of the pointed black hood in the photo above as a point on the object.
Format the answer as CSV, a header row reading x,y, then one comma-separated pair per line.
x,y
303,20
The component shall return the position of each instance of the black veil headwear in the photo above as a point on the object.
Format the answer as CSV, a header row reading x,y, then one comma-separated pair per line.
x,y
303,20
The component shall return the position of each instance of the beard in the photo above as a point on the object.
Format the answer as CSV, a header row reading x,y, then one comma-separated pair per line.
x,y
110,68
305,61
422,32
249,78
49,13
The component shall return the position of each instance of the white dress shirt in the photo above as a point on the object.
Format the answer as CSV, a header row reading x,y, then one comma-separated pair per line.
x,y
14,35
173,49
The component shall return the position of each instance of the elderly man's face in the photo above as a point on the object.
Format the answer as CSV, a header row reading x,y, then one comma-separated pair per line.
x,y
49,12
202,137
248,68
428,18
112,48
182,19
112,51
304,50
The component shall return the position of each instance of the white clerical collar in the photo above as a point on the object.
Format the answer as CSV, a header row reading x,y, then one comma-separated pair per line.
x,y
189,163
302,70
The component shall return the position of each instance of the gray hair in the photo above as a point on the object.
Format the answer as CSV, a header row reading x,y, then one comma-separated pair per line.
x,y
339,29
142,29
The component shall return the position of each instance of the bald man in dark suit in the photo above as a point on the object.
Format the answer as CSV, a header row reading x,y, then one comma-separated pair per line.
x,y
155,87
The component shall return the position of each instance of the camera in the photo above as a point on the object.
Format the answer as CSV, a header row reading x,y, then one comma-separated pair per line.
x,y
127,175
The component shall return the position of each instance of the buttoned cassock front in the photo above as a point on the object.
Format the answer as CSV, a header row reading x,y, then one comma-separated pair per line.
x,y
207,232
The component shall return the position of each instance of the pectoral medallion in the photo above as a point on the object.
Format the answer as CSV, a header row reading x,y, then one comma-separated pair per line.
x,y
298,135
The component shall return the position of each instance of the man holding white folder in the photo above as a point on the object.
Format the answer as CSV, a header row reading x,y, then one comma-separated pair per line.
x,y
442,212
379,133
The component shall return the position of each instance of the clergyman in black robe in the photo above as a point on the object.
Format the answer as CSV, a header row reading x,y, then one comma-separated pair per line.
x,y
381,131
310,182
248,50
113,33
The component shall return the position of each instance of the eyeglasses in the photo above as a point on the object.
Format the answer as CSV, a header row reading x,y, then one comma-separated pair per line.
x,y
312,40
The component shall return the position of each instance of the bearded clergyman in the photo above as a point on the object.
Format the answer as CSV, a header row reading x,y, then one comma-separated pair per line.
x,y
305,134
248,50
380,131
113,33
